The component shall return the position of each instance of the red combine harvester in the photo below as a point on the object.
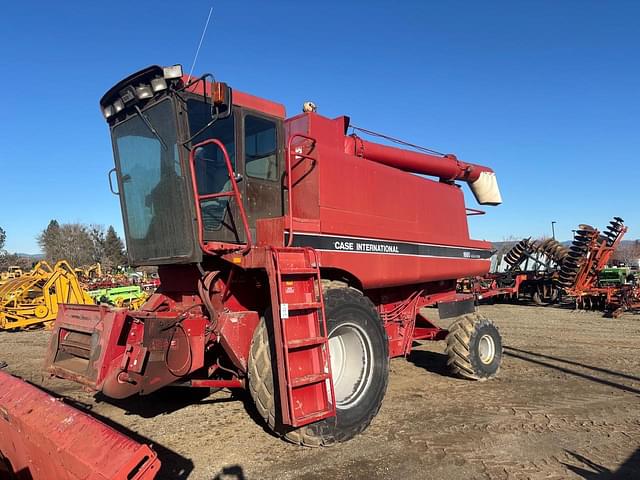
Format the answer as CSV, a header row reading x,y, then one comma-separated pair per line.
x,y
294,258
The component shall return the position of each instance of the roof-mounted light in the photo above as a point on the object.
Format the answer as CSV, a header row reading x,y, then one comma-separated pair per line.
x,y
173,72
108,112
118,106
158,84
143,92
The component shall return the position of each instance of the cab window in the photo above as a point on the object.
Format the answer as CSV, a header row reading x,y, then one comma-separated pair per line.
x,y
212,174
260,148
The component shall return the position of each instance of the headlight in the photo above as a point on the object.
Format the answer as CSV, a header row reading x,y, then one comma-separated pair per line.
x,y
158,84
118,106
172,72
108,111
143,92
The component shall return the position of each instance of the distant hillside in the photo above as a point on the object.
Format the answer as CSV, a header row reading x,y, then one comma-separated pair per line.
x,y
31,256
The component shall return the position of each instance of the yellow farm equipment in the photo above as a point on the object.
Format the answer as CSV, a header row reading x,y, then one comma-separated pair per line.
x,y
33,298
12,272
89,273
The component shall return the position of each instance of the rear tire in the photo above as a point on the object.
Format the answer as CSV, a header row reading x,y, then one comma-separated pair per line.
x,y
360,366
474,348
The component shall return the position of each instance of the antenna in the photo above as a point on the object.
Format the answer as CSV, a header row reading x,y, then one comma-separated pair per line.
x,y
204,32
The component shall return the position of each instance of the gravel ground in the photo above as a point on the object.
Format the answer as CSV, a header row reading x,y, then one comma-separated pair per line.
x,y
565,405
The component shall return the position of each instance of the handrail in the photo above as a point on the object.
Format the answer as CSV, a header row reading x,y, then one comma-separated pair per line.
x,y
234,193
290,180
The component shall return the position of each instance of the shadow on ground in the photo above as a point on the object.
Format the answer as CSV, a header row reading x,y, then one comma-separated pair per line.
x,y
233,472
629,470
433,362
164,401
540,359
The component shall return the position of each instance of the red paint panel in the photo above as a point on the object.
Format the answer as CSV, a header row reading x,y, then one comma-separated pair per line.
x,y
236,332
353,196
44,438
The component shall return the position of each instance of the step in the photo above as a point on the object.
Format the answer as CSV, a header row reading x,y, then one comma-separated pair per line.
x,y
304,306
308,379
306,342
315,416
299,271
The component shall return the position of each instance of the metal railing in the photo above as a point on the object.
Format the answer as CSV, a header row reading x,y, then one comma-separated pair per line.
x,y
299,156
234,192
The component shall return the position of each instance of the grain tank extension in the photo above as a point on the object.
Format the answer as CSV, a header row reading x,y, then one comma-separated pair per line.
x,y
294,258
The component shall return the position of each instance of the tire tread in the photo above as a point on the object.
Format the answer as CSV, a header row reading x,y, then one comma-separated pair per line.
x,y
261,384
461,336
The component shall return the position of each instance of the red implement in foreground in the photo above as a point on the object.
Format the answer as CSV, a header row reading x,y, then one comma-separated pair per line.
x,y
42,438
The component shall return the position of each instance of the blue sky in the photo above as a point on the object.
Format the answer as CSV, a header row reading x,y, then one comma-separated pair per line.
x,y
546,93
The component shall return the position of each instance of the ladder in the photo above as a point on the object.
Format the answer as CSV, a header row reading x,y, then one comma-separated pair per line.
x,y
301,338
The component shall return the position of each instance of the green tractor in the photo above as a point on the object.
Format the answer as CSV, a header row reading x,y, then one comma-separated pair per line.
x,y
614,276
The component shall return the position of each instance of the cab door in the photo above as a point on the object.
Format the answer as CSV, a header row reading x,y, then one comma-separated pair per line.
x,y
221,220
263,154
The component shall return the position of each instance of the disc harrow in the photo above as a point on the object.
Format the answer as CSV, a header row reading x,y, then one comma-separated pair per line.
x,y
588,256
551,249
576,255
518,253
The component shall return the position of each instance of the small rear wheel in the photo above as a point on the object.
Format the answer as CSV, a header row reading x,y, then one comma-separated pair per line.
x,y
358,350
474,348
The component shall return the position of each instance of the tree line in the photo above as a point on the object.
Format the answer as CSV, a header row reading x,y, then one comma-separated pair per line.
x,y
78,243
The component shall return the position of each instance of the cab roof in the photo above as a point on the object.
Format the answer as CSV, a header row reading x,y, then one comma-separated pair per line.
x,y
242,99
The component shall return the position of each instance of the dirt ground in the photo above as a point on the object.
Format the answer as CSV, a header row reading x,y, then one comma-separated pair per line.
x,y
566,404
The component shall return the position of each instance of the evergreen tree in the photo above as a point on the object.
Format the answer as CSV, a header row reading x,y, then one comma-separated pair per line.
x,y
50,241
114,250
3,238
98,238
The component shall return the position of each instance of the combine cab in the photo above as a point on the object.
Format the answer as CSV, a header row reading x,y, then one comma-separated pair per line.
x,y
294,258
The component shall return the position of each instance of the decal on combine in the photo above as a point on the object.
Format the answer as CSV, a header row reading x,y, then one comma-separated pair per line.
x,y
372,245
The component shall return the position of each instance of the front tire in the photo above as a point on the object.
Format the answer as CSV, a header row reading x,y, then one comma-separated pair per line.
x,y
474,348
359,355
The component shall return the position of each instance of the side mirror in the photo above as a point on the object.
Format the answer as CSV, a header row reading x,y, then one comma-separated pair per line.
x,y
221,99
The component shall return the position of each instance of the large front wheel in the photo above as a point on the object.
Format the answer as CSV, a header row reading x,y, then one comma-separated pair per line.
x,y
358,350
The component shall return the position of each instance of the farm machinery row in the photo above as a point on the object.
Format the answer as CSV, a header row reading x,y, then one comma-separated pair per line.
x,y
32,299
545,272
